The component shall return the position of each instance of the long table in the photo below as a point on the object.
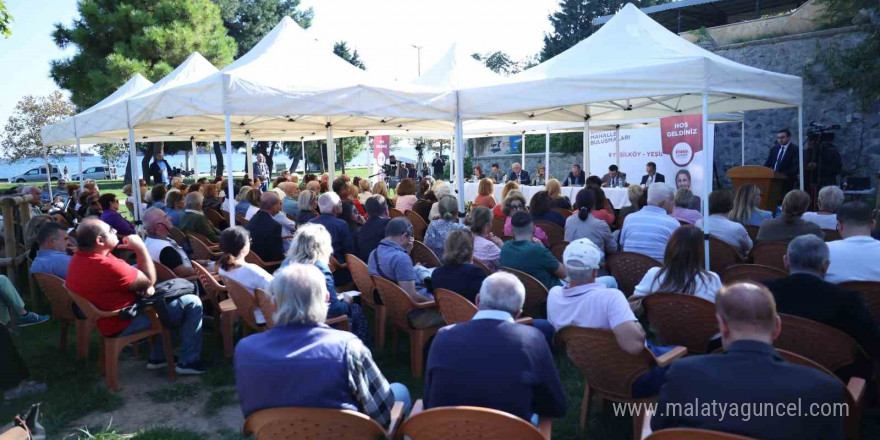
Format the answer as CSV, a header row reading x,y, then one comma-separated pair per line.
x,y
617,196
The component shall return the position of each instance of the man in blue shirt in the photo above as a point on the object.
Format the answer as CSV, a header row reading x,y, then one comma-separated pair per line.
x,y
52,257
343,242
391,260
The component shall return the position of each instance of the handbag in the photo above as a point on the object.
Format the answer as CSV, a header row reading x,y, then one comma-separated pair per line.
x,y
165,291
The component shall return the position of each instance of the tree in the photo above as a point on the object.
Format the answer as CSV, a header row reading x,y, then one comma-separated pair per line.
x,y
111,152
247,21
348,148
22,138
5,20
117,38
501,63
340,48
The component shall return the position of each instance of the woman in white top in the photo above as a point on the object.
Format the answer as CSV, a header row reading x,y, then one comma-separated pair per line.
x,y
487,247
253,197
235,243
682,270
364,192
830,199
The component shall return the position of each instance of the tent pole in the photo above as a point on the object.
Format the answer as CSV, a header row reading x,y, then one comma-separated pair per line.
x,y
459,156
231,190
249,156
586,168
523,148
305,161
801,144
195,159
707,174
742,142
331,152
48,174
617,146
79,158
547,152
135,177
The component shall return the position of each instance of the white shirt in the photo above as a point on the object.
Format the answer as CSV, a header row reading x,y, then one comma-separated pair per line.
x,y
288,227
589,305
250,212
498,315
647,231
155,246
706,289
251,277
825,221
730,232
854,259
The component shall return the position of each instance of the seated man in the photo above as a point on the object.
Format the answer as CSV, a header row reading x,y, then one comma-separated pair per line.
x,y
373,231
750,372
291,193
805,293
265,231
519,175
652,175
855,257
110,284
343,241
576,177
722,227
301,362
194,220
493,362
648,230
163,249
110,215
524,255
52,257
614,178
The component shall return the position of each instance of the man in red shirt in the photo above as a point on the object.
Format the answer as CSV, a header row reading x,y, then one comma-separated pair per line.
x,y
111,284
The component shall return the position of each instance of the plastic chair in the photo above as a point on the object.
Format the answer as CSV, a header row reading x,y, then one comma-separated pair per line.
x,y
215,218
536,294
423,254
870,295
482,265
109,347
245,305
204,239
177,235
469,423
364,282
269,266
555,233
628,268
558,248
399,305
318,423
722,255
750,272
223,308
682,319
265,303
610,372
394,213
693,434
565,213
454,307
770,253
831,235
825,345
498,226
418,223
62,311
201,250
753,232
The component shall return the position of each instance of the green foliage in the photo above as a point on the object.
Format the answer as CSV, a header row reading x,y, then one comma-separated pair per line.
x,y
501,63
842,11
351,147
111,152
340,48
22,138
569,143
247,21
5,20
116,39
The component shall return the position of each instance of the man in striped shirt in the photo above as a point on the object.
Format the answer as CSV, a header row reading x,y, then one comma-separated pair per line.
x,y
648,230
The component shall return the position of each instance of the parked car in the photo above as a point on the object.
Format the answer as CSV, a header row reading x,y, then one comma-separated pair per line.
x,y
36,175
97,173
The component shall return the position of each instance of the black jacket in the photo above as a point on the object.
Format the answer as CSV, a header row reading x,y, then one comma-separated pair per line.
x,y
580,180
524,178
657,178
156,172
266,237
788,165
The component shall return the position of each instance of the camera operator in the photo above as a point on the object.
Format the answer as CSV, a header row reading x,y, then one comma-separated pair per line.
x,y
822,161
438,163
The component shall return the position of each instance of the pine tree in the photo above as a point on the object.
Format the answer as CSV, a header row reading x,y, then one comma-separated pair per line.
x,y
340,48
248,21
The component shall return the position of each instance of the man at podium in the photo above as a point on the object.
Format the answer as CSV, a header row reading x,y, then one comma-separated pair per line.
x,y
783,158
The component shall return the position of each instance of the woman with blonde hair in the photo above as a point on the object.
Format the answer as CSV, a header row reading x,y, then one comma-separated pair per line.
x,y
435,236
540,176
253,198
790,224
441,189
308,202
485,194
241,203
354,196
514,202
554,190
745,206
364,192
381,189
508,187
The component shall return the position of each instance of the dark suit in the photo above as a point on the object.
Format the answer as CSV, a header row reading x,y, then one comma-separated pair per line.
x,y
524,178
266,236
810,297
788,165
156,172
571,180
606,179
657,178
749,372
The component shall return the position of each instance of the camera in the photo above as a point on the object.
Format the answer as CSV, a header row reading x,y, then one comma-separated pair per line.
x,y
420,147
815,129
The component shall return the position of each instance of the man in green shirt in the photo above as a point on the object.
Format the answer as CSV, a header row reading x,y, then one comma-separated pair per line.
x,y
524,255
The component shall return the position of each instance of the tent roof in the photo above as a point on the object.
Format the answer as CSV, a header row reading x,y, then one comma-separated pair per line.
x,y
631,68
457,70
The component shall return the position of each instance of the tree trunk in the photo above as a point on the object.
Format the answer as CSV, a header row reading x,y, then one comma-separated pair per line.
x,y
297,156
127,179
218,153
145,162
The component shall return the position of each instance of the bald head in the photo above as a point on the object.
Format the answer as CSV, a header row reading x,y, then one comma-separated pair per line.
x,y
746,311
269,202
93,235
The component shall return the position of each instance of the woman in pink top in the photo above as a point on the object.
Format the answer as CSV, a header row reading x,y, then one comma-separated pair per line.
x,y
487,247
405,195
508,187
604,214
484,194
516,201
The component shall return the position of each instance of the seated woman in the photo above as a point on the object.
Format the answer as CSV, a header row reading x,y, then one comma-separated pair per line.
x,y
212,200
745,206
241,203
312,245
364,192
514,202
582,224
554,190
601,210
682,270
634,194
458,273
422,207
829,200
790,224
487,247
253,198
235,244
478,174
540,176
440,189
435,236
681,212
485,194
354,196
174,206
308,203
497,211
541,209
381,189
405,195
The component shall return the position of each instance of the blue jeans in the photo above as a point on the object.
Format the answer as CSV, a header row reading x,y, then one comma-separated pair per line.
x,y
186,312
401,394
546,328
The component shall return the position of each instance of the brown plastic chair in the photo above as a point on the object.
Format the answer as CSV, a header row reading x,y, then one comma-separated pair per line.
x,y
558,248
245,305
269,266
215,218
469,423
177,235
318,424
264,302
16,433
222,306
364,282
109,347
682,319
565,213
201,249
609,372
770,253
163,273
831,235
536,294
826,345
240,220
62,311
394,213
855,392
750,272
454,307
870,295
693,434
399,305
555,233
498,226
482,265
722,255
421,253
418,223
204,239
628,268
753,232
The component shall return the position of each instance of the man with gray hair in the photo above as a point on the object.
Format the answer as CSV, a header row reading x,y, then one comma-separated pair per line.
x,y
829,200
35,201
805,293
301,362
493,362
194,220
265,230
163,249
648,230
261,171
519,175
343,241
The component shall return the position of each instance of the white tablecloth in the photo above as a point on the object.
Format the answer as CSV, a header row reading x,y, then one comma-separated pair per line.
x,y
617,196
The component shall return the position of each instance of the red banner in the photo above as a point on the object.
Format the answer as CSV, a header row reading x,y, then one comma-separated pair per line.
x,y
682,137
381,149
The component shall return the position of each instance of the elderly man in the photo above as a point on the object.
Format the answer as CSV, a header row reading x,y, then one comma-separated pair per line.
x,y
261,171
721,226
194,220
493,362
856,257
265,230
373,231
805,293
110,215
163,249
648,230
160,170
524,255
36,199
301,362
343,242
111,284
747,374
52,256
519,175
290,205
